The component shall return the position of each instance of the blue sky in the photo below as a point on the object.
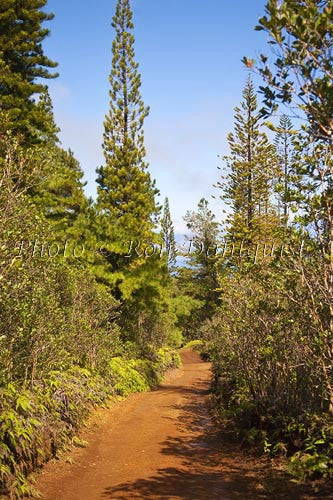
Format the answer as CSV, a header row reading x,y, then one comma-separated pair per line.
x,y
190,55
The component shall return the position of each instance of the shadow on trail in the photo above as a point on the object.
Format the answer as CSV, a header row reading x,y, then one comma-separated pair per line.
x,y
207,467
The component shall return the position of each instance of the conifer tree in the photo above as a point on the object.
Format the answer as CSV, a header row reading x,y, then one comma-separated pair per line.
x,y
168,234
60,194
126,193
284,147
49,134
126,209
202,256
252,167
22,63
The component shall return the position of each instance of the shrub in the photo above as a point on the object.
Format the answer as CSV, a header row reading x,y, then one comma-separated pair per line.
x,y
271,379
126,378
34,425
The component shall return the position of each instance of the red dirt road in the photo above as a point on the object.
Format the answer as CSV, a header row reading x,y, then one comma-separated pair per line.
x,y
163,445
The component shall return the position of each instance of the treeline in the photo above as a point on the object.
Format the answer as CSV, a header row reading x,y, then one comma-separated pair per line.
x,y
270,334
76,328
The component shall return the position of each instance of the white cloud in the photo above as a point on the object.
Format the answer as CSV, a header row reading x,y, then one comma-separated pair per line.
x,y
182,150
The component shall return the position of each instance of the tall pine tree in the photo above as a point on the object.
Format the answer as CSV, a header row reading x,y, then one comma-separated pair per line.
x,y
251,170
60,195
202,256
284,146
22,64
126,208
168,234
126,194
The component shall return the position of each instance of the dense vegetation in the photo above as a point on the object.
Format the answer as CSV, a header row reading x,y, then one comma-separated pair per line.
x,y
271,337
90,309
83,318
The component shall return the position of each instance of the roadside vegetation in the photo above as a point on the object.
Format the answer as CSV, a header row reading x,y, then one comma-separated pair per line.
x,y
271,336
90,311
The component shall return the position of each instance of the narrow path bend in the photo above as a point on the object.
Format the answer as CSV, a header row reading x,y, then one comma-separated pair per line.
x,y
163,445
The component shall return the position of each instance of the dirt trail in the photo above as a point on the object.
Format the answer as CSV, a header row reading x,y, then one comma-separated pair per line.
x,y
163,445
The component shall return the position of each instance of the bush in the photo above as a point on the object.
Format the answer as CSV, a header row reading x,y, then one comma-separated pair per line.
x,y
269,346
139,375
126,378
199,346
167,358
34,425
194,344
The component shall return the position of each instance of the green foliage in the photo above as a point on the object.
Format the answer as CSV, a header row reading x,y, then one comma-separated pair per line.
x,y
268,343
252,169
168,233
139,375
300,32
126,378
286,155
60,196
167,358
197,282
22,63
53,313
316,457
35,425
194,344
125,191
126,211
271,338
